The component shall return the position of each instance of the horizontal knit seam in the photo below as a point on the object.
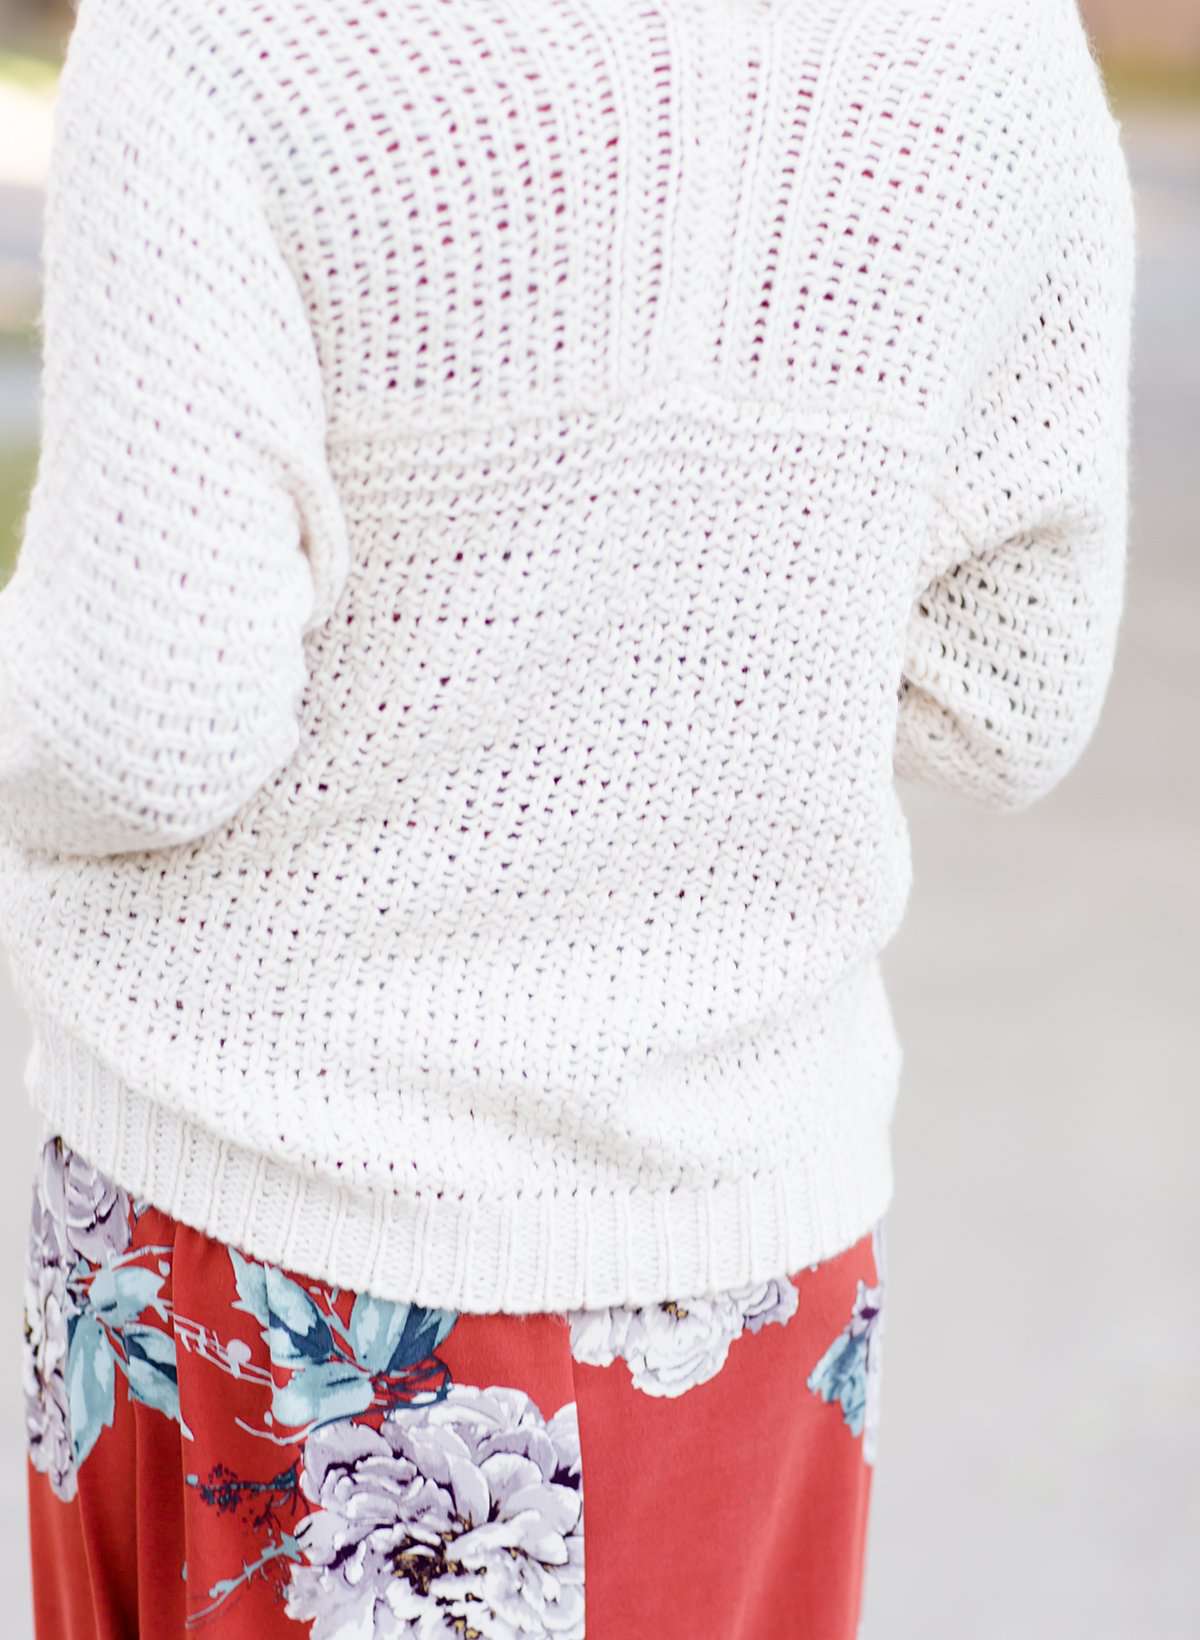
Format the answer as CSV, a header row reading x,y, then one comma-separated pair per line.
x,y
754,414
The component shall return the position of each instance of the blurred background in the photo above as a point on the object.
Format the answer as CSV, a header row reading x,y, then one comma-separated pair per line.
x,y
1041,1396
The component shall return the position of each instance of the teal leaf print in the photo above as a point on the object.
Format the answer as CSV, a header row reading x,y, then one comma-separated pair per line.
x,y
334,1366
149,1366
294,1330
841,1375
251,1282
118,1295
386,1337
322,1392
286,1549
298,1333
848,1372
91,1379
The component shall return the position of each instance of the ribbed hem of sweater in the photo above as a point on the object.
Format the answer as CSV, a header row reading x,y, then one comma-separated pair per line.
x,y
545,1252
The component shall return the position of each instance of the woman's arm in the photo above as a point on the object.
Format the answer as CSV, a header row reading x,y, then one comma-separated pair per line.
x,y
183,530
1012,638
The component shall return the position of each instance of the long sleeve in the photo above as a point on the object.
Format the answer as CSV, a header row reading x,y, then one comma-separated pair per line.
x,y
1020,596
183,531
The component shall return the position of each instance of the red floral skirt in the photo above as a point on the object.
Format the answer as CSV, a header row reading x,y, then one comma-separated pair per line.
x,y
217,1444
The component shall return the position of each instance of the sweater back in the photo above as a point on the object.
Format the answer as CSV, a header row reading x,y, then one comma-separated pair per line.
x,y
521,482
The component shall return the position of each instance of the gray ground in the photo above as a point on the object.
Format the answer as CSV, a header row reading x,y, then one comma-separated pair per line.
x,y
1041,1413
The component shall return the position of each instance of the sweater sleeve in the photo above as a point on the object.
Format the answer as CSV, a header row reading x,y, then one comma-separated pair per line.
x,y
1019,598
183,532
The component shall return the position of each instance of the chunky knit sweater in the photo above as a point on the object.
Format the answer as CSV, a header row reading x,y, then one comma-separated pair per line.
x,y
521,481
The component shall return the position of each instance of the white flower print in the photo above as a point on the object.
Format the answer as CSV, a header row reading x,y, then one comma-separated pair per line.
x,y
88,1303
48,1310
673,1346
462,1517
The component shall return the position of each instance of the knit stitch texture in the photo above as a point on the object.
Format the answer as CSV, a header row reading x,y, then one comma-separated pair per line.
x,y
521,480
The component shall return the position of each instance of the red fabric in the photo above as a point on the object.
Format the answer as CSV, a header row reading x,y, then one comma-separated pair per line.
x,y
735,1509
739,1510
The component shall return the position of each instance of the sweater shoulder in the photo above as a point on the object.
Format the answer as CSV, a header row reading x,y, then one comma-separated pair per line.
x,y
183,67
152,68
1012,62
999,107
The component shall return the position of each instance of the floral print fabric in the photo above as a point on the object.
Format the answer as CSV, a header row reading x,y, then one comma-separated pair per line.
x,y
94,1311
298,1460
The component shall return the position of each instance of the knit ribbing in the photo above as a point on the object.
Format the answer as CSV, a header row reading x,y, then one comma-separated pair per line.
x,y
536,1250
519,484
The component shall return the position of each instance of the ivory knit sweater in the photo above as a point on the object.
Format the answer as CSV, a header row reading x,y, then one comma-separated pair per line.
x,y
520,481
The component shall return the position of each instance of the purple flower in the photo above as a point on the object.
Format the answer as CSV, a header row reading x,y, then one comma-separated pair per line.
x,y
459,1517
88,1214
772,1300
